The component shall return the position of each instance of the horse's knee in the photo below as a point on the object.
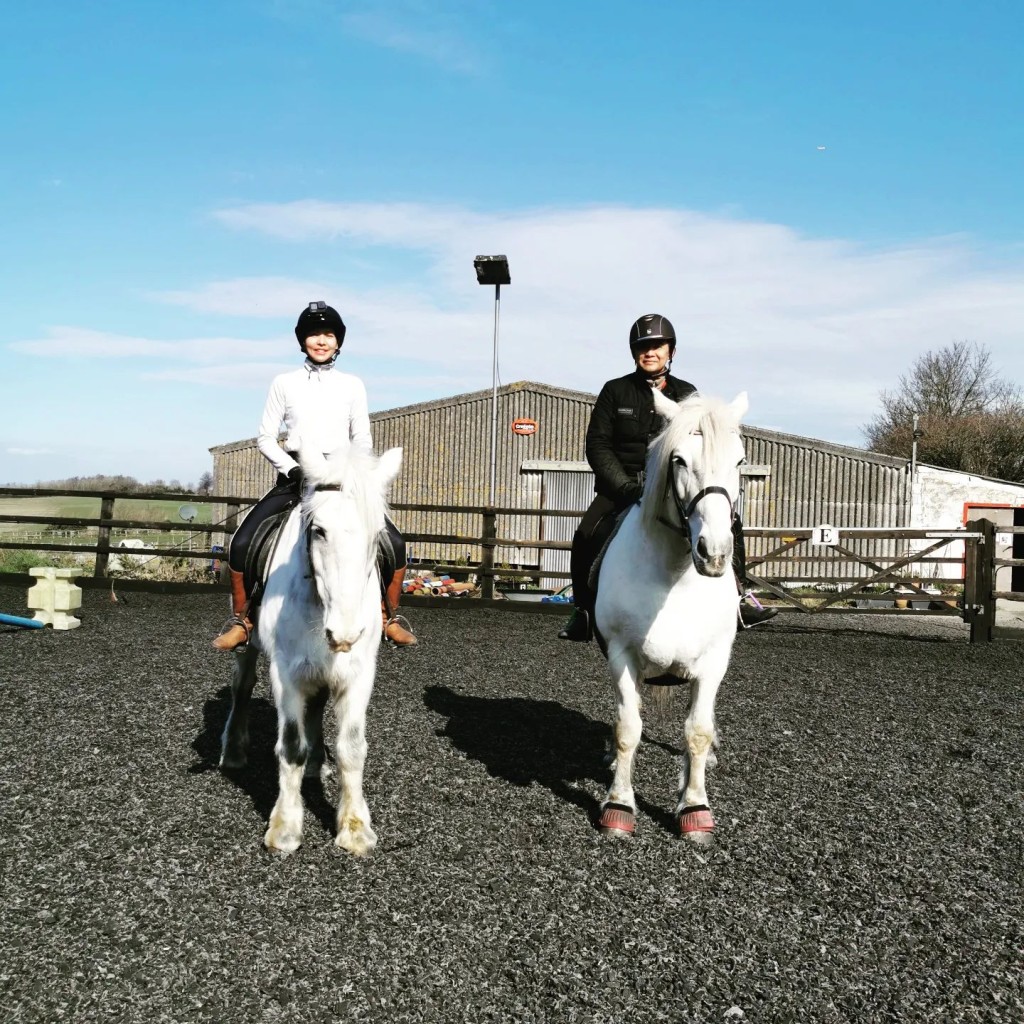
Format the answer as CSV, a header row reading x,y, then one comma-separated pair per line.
x,y
292,747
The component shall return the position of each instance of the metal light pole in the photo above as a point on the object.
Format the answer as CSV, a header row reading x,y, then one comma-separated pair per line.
x,y
493,270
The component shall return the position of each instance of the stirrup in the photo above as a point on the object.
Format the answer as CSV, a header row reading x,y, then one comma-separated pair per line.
x,y
235,620
578,627
403,623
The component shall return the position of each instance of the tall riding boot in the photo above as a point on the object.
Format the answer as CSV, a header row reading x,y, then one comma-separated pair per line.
x,y
579,627
393,629
238,628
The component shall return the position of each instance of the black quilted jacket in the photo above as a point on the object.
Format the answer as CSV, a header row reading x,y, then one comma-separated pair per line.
x,y
621,427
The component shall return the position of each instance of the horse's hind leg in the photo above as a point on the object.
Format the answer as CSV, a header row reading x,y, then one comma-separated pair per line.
x,y
693,810
234,740
355,833
284,833
618,811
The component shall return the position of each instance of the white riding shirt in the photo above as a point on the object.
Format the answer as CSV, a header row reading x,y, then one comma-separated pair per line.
x,y
320,405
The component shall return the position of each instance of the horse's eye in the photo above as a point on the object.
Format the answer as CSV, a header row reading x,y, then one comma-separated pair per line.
x,y
679,461
319,532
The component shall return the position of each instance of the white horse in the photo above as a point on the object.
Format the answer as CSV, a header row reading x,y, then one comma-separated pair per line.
x,y
319,626
667,597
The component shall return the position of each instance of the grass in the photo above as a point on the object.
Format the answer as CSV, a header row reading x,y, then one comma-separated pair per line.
x,y
80,507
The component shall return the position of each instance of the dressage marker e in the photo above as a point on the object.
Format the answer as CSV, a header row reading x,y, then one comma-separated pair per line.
x,y
320,626
667,599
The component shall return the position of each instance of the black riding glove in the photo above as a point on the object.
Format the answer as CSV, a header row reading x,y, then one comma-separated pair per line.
x,y
295,476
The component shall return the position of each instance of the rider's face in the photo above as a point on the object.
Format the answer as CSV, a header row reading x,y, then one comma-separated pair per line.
x,y
653,357
321,347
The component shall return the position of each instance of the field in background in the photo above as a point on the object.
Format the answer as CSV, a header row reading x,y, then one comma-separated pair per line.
x,y
74,507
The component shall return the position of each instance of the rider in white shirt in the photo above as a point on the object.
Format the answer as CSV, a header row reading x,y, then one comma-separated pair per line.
x,y
328,410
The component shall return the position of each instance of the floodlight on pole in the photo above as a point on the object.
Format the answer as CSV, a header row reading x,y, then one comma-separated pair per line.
x,y
493,270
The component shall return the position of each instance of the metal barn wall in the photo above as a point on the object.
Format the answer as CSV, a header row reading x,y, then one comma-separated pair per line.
x,y
570,486
447,456
446,461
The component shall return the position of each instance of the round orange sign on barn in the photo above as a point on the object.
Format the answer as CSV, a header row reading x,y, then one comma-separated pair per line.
x,y
524,426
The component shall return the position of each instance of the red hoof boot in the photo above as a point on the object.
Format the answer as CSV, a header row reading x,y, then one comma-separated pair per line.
x,y
696,822
617,820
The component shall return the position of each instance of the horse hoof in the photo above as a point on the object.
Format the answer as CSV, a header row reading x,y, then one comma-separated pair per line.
x,y
358,841
232,761
281,841
697,825
617,821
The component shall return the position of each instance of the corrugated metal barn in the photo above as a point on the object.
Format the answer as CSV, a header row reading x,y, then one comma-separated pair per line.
x,y
789,482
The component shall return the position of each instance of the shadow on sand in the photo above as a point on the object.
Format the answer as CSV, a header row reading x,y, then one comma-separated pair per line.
x,y
525,741
258,780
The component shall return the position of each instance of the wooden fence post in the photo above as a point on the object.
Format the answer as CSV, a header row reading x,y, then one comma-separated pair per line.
x,y
986,581
103,540
979,581
490,532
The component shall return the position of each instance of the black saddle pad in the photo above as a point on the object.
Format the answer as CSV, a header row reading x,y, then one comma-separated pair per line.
x,y
261,546
264,539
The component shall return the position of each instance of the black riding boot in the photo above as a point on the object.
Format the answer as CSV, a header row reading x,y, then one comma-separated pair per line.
x,y
579,626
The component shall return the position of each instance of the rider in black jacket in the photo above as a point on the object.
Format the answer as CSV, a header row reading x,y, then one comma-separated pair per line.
x,y
622,425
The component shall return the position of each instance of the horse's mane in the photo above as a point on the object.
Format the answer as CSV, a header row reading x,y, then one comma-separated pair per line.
x,y
353,470
710,417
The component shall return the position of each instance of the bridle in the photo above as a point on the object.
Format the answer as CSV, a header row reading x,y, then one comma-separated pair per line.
x,y
308,531
686,510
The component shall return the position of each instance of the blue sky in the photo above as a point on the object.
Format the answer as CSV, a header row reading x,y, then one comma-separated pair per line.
x,y
814,193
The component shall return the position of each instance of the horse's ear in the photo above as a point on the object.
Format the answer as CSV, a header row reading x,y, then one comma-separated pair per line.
x,y
663,406
739,405
388,465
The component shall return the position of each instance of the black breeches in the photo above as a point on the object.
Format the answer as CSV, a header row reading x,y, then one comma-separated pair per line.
x,y
594,530
278,499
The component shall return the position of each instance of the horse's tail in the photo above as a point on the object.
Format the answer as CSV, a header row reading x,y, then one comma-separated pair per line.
x,y
663,689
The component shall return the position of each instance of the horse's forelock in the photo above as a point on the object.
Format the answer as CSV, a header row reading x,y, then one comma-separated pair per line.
x,y
352,472
712,418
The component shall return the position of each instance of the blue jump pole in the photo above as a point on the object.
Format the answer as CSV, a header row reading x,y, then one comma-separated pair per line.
x,y
17,620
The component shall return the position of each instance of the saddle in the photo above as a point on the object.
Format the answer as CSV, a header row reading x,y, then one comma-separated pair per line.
x,y
595,567
261,549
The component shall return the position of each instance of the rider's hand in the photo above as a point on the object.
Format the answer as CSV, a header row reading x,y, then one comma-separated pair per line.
x,y
295,475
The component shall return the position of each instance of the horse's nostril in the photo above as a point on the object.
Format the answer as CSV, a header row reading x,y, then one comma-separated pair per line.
x,y
702,547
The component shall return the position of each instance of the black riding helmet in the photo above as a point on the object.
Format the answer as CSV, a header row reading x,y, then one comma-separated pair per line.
x,y
319,318
652,327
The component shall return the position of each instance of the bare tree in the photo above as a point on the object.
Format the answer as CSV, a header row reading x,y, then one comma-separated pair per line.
x,y
205,485
971,418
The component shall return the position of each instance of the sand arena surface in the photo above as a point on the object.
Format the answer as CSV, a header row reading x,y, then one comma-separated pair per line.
x,y
867,866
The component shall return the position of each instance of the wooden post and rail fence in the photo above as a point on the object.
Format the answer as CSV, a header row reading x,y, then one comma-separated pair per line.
x,y
790,554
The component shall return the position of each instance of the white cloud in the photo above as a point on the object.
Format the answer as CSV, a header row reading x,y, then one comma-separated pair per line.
x,y
83,343
29,451
813,328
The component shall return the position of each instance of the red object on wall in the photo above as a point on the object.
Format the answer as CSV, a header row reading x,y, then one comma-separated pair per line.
x,y
524,426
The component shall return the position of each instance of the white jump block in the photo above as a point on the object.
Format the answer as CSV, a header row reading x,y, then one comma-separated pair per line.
x,y
54,596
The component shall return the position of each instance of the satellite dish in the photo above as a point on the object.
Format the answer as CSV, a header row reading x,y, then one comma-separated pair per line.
x,y
188,512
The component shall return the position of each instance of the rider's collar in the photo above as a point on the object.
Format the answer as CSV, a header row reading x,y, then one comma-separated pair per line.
x,y
317,368
659,380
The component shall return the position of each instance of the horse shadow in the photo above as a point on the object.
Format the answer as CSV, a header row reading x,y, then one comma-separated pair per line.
x,y
258,779
525,741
